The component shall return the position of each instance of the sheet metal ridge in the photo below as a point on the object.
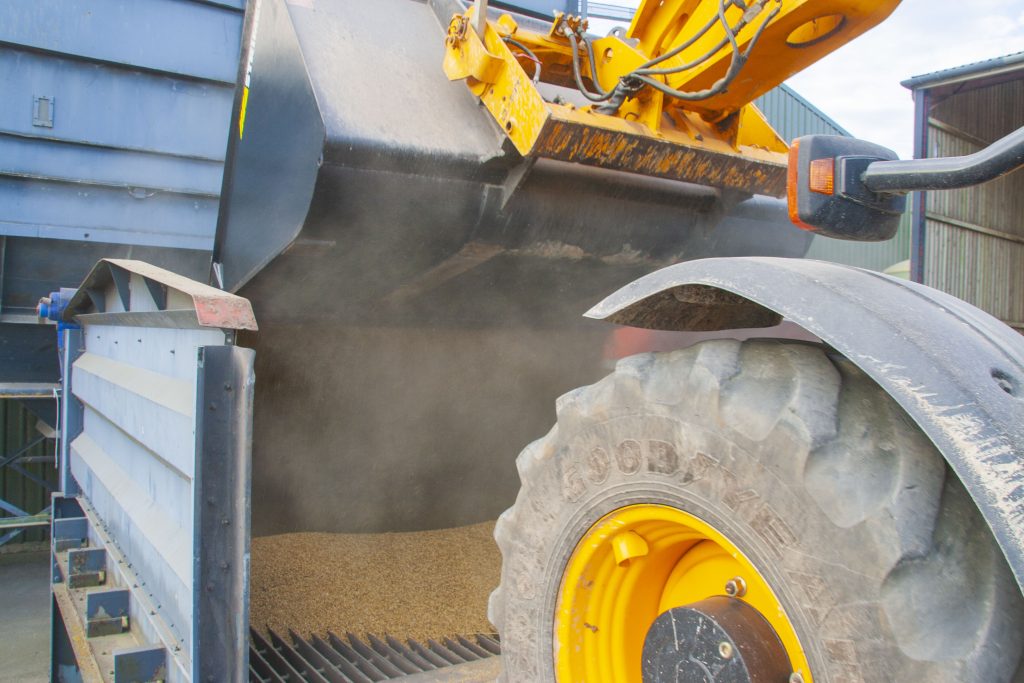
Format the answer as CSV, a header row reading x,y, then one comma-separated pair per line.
x,y
213,307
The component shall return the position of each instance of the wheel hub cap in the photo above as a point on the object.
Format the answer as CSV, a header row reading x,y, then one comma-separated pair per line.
x,y
718,640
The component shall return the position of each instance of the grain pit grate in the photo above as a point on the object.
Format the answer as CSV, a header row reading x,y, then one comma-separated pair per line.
x,y
356,660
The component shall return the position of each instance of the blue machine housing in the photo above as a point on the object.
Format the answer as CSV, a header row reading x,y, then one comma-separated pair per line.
x,y
113,135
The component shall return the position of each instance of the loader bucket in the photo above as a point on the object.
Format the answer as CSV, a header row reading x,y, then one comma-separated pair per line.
x,y
419,285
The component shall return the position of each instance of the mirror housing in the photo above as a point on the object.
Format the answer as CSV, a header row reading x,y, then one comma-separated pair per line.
x,y
827,194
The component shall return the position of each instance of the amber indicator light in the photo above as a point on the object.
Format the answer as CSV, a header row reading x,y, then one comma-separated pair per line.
x,y
792,186
822,174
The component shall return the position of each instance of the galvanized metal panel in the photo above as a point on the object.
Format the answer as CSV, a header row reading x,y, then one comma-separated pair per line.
x,y
541,8
34,267
134,459
141,530
997,205
139,172
222,527
138,464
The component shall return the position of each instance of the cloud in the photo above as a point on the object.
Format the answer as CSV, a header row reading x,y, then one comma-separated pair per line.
x,y
858,85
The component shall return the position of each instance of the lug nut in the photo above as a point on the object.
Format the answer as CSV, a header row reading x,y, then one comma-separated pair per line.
x,y
736,587
725,649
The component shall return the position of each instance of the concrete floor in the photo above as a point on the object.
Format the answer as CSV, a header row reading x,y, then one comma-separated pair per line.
x,y
24,617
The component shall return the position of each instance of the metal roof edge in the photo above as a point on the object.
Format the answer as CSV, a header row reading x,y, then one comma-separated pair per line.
x,y
802,100
1010,62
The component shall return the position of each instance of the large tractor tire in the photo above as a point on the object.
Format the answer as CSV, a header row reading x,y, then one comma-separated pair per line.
x,y
691,498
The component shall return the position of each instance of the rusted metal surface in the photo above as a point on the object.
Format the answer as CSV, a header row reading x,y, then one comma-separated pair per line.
x,y
566,138
213,307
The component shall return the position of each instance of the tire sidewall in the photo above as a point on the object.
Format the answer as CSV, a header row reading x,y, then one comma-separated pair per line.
x,y
654,458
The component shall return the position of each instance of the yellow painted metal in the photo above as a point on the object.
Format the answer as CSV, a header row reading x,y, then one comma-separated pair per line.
x,y
688,151
606,605
494,75
785,47
627,546
799,33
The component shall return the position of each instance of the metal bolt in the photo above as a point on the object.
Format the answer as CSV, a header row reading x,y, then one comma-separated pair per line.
x,y
796,677
725,649
736,587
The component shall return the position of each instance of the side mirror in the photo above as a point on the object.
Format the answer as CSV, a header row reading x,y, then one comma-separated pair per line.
x,y
827,193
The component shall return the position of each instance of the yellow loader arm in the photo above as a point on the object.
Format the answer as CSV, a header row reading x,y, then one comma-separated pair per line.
x,y
671,97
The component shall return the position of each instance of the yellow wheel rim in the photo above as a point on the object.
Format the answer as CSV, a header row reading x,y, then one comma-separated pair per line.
x,y
631,566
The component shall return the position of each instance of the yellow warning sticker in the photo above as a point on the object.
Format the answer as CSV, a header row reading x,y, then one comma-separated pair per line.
x,y
241,113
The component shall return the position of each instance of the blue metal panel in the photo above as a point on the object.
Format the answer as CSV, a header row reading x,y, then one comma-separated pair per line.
x,y
192,39
114,121
110,106
48,160
67,211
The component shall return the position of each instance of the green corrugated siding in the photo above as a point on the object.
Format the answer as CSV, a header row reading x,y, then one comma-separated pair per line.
x,y
18,428
792,116
870,255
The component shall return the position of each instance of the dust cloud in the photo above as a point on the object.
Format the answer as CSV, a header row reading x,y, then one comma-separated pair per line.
x,y
402,429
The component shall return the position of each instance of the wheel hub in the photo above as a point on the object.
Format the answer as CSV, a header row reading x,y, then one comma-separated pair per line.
x,y
717,640
644,568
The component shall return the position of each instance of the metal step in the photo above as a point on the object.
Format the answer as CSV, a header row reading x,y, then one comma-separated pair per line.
x,y
272,659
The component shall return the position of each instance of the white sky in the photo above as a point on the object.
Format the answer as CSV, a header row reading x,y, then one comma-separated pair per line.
x,y
858,85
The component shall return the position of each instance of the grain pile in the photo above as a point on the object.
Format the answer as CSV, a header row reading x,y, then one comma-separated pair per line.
x,y
427,584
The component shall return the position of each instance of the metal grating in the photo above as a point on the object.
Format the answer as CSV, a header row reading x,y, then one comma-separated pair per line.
x,y
355,660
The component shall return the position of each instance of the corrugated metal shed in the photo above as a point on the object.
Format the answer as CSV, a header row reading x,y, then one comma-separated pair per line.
x,y
970,242
792,116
